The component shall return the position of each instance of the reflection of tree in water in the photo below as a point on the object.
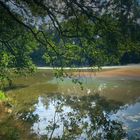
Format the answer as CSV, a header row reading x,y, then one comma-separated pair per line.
x,y
83,118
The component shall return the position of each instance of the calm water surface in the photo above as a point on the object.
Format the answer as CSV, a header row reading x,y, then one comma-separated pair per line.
x,y
47,108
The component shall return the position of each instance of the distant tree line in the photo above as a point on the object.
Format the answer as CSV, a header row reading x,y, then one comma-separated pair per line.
x,y
132,57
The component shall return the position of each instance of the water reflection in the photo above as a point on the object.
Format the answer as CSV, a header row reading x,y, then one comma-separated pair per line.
x,y
43,113
72,117
125,91
130,116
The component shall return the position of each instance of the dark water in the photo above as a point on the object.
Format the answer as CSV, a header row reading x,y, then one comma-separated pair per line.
x,y
47,108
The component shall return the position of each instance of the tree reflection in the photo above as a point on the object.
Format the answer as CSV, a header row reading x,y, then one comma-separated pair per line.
x,y
85,117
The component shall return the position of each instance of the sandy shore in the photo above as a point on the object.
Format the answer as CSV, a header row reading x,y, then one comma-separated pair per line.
x,y
88,68
107,71
117,72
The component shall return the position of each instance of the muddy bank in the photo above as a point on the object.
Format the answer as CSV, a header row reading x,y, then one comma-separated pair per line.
x,y
119,72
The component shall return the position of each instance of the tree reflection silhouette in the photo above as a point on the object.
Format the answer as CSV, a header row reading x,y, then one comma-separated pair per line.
x,y
85,117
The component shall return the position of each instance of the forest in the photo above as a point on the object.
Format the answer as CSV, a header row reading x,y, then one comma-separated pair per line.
x,y
69,69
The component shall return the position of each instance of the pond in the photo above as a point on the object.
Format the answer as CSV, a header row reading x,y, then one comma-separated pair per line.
x,y
47,108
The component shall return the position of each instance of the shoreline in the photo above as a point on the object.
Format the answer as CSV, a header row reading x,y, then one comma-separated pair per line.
x,y
130,71
89,68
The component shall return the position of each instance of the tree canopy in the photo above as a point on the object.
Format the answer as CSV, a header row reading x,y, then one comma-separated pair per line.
x,y
70,33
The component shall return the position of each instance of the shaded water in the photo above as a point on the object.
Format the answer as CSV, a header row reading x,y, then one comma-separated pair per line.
x,y
47,108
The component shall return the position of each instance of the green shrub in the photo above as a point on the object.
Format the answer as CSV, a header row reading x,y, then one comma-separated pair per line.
x,y
2,96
